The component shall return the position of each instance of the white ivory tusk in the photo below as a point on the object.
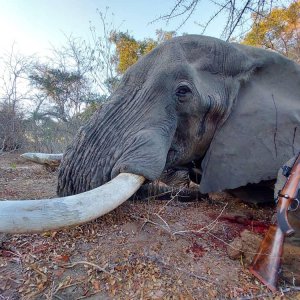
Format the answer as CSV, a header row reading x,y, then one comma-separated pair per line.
x,y
24,216
44,158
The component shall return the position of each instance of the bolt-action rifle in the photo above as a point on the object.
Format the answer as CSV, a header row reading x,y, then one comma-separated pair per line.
x,y
266,263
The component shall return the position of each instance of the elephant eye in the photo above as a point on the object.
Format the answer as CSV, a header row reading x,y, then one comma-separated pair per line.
x,y
182,91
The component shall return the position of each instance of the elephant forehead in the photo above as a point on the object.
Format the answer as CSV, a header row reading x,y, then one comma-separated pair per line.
x,y
185,57
212,55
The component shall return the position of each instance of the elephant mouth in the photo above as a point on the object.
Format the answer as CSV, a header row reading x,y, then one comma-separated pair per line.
x,y
177,158
172,158
177,161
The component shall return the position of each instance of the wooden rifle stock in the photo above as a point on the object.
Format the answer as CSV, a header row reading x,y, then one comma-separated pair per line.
x,y
266,263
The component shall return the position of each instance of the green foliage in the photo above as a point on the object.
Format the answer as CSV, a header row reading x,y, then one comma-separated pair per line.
x,y
55,82
68,92
13,165
129,50
279,30
60,87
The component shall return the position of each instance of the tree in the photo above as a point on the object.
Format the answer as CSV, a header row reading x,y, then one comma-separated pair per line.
x,y
62,88
236,13
129,50
278,30
14,92
60,93
103,53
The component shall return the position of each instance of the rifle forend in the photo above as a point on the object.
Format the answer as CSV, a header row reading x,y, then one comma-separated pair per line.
x,y
287,195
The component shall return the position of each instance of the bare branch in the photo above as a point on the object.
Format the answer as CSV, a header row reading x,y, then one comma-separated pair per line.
x,y
236,13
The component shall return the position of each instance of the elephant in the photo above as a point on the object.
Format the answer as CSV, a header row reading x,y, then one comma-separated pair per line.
x,y
232,109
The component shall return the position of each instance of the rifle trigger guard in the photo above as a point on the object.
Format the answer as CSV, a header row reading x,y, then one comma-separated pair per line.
x,y
297,203
292,206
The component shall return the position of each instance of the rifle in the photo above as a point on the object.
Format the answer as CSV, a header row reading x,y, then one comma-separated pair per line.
x,y
266,263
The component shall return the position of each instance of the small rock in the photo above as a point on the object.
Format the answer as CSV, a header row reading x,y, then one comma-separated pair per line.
x,y
247,245
130,228
234,250
251,242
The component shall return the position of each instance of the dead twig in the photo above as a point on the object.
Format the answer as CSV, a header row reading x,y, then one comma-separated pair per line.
x,y
148,221
61,286
89,295
209,226
166,226
169,201
157,260
92,265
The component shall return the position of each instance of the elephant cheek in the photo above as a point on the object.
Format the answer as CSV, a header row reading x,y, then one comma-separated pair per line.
x,y
144,154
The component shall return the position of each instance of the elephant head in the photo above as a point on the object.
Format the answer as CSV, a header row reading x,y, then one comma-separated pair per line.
x,y
232,108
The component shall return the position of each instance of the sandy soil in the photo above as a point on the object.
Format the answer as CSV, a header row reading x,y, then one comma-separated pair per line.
x,y
142,250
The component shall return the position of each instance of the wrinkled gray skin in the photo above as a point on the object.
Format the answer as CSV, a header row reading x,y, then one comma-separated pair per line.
x,y
234,109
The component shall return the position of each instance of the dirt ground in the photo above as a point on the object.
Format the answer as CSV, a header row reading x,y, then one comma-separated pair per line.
x,y
143,250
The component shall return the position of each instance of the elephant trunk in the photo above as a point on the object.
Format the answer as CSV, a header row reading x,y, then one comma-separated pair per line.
x,y
107,162
131,134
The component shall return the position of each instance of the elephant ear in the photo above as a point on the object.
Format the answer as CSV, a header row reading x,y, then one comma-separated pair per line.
x,y
263,129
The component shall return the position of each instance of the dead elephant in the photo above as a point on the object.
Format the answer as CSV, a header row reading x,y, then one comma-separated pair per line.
x,y
235,109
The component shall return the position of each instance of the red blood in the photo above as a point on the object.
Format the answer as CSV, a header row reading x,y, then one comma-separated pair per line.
x,y
196,249
252,225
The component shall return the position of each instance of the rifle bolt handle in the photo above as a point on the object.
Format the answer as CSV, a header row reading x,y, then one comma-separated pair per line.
x,y
286,171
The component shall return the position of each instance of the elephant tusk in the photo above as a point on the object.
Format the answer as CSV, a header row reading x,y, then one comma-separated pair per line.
x,y
26,216
44,158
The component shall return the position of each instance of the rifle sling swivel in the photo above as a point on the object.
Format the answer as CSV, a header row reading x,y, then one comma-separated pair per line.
x,y
286,196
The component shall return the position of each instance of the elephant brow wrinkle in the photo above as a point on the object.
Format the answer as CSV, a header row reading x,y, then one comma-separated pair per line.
x,y
276,125
294,137
203,121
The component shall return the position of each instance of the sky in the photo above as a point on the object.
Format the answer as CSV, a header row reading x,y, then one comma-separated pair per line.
x,y
34,25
